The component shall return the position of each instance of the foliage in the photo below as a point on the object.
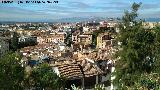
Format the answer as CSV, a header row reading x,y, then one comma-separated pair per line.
x,y
139,52
74,87
14,42
27,43
14,77
150,81
43,77
99,87
68,39
11,72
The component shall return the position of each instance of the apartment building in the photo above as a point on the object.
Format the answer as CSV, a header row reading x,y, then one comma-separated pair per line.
x,y
104,40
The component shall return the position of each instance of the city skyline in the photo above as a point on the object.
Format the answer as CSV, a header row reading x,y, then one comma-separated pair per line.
x,y
74,8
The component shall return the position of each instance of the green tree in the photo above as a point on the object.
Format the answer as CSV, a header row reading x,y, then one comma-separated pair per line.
x,y
11,72
138,52
43,77
14,42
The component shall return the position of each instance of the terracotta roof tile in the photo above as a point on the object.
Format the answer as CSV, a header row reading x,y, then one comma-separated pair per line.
x,y
70,70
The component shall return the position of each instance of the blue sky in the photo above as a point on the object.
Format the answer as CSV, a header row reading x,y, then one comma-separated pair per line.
x,y
75,8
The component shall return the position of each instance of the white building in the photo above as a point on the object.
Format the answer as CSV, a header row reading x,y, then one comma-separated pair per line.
x,y
27,39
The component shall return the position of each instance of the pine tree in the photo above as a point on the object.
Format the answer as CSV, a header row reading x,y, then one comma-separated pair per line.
x,y
138,52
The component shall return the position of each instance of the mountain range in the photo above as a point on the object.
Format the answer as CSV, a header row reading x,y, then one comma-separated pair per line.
x,y
79,19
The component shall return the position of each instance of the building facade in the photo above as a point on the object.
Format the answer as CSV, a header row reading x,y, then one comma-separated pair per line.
x,y
104,40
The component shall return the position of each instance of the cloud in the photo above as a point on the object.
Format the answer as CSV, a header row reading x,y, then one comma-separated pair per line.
x,y
118,3
17,10
78,4
74,8
150,6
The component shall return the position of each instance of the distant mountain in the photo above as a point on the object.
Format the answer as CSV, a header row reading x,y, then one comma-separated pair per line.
x,y
97,19
152,19
80,19
76,19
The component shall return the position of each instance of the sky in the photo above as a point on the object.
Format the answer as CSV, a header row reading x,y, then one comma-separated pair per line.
x,y
75,8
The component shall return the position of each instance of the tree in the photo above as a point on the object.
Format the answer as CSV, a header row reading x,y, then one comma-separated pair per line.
x,y
14,42
11,72
138,52
43,77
